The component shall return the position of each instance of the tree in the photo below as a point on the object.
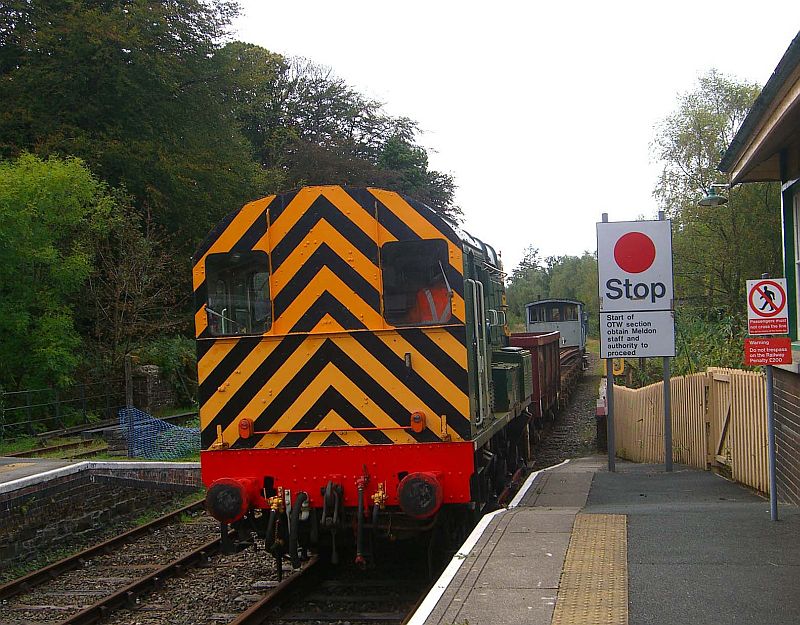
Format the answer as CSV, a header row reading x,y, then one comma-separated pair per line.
x,y
308,126
715,249
51,213
558,277
132,89
528,282
575,277
133,291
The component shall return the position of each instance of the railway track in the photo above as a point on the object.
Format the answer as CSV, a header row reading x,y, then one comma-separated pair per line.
x,y
66,450
201,585
73,450
84,587
323,594
572,432
166,572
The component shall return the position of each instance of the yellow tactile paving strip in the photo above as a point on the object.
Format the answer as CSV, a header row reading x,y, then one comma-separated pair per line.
x,y
594,582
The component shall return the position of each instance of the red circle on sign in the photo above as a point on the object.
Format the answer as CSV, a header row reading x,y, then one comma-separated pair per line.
x,y
634,252
759,289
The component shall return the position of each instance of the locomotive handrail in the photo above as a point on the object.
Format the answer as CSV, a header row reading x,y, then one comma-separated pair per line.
x,y
479,314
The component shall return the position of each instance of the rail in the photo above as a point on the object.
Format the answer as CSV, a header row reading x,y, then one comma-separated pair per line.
x,y
50,572
127,596
259,611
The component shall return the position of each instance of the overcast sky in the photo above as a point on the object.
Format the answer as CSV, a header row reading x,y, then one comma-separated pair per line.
x,y
542,111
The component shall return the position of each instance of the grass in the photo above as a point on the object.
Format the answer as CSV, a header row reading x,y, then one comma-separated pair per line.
x,y
185,500
593,347
28,443
169,412
116,456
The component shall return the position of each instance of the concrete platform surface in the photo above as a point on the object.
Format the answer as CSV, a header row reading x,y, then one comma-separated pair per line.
x,y
702,549
695,549
12,469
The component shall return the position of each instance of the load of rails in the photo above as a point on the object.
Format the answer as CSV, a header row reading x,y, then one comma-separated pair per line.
x,y
357,378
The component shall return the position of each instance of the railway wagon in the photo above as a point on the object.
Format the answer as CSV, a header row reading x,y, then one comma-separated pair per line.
x,y
558,315
354,369
546,350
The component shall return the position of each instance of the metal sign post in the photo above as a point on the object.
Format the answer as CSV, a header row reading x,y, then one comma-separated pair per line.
x,y
667,404
610,439
773,495
766,314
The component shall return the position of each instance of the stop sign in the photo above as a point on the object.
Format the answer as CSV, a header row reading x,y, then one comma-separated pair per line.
x,y
634,262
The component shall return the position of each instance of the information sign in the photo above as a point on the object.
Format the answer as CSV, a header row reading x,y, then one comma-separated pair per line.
x,y
768,351
767,312
634,261
642,334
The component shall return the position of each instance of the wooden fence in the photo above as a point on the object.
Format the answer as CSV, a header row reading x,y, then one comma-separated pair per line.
x,y
719,418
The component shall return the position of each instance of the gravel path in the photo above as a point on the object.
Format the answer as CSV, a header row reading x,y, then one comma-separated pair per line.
x,y
572,434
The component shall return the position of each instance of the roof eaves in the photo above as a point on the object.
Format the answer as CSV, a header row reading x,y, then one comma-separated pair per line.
x,y
787,65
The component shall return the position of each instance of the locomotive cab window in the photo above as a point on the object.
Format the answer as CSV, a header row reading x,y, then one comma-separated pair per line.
x,y
416,289
238,293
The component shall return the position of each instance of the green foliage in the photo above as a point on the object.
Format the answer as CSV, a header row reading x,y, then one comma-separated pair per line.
x,y
702,340
179,129
134,292
529,282
307,126
715,248
705,340
562,277
50,213
130,88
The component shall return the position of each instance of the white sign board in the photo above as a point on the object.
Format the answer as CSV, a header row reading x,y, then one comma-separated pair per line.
x,y
634,262
642,334
767,312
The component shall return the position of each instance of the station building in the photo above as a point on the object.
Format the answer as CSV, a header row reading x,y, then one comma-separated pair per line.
x,y
767,148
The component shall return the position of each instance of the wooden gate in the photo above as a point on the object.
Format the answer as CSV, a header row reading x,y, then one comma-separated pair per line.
x,y
719,418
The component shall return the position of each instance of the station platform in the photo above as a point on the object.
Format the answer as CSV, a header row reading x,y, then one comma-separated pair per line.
x,y
12,469
581,545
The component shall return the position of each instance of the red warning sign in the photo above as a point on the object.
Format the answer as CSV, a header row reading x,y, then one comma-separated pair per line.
x,y
766,307
768,351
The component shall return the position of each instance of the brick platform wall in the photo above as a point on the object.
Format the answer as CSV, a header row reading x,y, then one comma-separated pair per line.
x,y
78,507
787,435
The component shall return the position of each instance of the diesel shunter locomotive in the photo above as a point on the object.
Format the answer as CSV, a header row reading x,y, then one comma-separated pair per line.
x,y
355,374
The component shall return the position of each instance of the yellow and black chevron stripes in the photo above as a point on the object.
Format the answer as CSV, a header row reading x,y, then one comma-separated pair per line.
x,y
241,230
309,382
330,370
324,253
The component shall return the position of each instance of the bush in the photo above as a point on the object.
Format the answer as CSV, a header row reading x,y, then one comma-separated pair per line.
x,y
702,340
